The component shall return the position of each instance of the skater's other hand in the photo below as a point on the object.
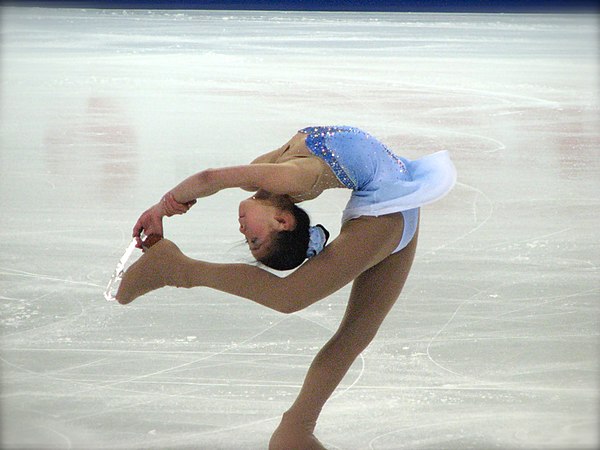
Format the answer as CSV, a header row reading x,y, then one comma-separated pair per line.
x,y
172,207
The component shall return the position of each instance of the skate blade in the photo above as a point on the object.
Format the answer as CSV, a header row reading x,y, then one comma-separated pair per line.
x,y
113,285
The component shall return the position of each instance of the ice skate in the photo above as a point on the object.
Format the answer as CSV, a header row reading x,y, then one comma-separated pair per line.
x,y
161,265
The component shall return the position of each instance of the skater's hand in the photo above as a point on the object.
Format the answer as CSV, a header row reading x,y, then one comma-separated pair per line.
x,y
150,222
172,207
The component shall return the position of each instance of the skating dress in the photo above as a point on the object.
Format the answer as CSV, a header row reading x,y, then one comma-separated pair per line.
x,y
381,182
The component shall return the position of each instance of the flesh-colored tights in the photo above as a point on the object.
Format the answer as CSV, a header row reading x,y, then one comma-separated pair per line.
x,y
374,292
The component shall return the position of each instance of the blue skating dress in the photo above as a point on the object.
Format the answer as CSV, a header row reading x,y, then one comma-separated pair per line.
x,y
381,182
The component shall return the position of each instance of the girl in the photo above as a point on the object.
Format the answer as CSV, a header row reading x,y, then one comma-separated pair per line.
x,y
374,250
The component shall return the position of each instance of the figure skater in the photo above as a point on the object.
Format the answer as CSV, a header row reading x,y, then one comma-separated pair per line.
x,y
374,250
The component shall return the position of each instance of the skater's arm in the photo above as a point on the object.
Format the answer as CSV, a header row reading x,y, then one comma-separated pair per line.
x,y
267,158
286,178
291,178
361,244
270,157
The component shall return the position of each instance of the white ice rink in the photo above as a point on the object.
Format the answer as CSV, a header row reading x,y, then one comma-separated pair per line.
x,y
492,345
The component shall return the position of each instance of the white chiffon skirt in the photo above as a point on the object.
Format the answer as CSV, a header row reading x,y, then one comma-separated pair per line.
x,y
431,178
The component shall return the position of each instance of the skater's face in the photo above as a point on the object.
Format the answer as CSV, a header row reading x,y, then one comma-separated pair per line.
x,y
260,219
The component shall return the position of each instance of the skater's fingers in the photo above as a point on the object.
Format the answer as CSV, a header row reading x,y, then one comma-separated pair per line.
x,y
178,208
173,207
138,228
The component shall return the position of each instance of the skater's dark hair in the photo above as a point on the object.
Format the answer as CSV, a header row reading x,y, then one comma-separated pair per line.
x,y
289,248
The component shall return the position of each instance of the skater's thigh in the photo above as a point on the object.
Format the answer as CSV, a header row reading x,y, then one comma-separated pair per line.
x,y
376,290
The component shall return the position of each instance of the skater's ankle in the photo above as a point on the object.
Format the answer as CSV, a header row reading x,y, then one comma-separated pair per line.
x,y
188,272
294,417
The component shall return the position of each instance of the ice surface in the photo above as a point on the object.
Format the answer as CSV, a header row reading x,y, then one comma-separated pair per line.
x,y
493,343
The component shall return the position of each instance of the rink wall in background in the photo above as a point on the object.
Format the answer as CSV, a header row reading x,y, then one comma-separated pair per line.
x,y
480,6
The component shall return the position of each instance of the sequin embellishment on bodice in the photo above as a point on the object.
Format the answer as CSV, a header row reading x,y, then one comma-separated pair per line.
x,y
317,143
354,170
